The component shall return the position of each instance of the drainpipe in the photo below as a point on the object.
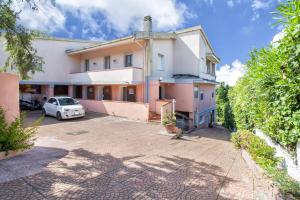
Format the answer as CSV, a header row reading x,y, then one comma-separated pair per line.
x,y
148,30
145,67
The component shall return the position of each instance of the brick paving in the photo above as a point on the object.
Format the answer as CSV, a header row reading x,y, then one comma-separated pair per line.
x,y
102,157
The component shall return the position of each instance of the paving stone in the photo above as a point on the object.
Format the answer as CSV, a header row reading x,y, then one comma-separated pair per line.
x,y
102,157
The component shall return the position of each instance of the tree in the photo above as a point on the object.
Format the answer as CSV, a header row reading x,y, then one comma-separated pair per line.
x,y
22,55
224,111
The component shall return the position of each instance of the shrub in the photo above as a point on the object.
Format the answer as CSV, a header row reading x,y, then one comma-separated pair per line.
x,y
264,156
261,153
15,136
169,118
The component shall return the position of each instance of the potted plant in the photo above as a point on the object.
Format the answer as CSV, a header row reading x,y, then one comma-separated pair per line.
x,y
169,121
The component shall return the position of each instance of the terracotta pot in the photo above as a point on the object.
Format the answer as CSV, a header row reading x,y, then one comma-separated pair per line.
x,y
171,128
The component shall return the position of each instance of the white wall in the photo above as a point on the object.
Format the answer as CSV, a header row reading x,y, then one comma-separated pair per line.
x,y
58,65
117,58
164,47
187,53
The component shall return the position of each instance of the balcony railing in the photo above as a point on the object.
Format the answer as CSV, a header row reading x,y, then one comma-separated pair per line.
x,y
126,75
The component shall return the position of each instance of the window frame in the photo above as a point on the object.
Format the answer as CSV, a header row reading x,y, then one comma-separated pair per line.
x,y
161,62
126,64
208,66
196,89
107,62
86,65
201,95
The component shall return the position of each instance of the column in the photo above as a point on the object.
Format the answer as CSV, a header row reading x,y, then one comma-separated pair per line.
x,y
50,91
71,91
84,92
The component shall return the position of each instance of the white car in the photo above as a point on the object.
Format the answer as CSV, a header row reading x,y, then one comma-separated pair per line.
x,y
63,108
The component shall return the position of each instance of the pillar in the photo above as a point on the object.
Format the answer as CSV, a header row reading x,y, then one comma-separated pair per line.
x,y
50,91
84,92
71,91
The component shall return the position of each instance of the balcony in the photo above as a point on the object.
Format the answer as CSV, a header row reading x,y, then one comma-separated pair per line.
x,y
128,75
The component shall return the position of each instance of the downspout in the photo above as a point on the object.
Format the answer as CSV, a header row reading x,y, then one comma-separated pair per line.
x,y
144,68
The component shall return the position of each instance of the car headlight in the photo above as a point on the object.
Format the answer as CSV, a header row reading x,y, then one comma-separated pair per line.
x,y
66,109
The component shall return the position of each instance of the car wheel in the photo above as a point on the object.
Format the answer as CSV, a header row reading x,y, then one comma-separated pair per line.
x,y
58,116
44,112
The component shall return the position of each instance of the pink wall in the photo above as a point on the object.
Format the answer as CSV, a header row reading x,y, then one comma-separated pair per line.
x,y
154,95
70,90
130,110
140,93
183,93
9,95
208,100
159,104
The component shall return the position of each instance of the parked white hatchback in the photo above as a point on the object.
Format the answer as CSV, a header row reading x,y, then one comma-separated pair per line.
x,y
63,107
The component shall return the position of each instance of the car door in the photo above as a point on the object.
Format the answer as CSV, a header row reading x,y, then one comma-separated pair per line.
x,y
47,106
53,107
50,106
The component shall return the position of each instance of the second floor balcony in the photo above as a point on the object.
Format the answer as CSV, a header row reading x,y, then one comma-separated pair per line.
x,y
126,75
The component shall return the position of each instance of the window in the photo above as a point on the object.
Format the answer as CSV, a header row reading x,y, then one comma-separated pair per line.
x,y
196,92
52,101
213,69
207,66
212,94
201,119
128,60
201,95
87,65
107,62
161,62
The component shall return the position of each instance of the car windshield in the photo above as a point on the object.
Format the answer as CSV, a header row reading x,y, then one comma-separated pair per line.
x,y
67,101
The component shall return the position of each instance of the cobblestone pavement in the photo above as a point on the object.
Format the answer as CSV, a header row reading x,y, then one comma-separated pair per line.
x,y
101,157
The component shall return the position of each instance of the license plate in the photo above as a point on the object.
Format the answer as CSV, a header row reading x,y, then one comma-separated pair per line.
x,y
76,113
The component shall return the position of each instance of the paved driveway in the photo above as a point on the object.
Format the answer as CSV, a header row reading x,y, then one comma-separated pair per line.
x,y
102,157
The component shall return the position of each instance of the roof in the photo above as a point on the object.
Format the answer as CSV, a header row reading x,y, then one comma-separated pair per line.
x,y
70,51
67,40
141,35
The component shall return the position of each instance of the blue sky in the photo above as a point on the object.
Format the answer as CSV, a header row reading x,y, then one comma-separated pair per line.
x,y
234,27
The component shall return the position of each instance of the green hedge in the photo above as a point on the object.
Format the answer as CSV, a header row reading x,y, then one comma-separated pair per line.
x,y
268,96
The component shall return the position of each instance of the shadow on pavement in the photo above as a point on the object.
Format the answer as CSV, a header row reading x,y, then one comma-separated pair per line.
x,y
82,174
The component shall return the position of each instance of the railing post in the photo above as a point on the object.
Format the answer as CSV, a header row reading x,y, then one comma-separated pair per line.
x,y
173,105
161,114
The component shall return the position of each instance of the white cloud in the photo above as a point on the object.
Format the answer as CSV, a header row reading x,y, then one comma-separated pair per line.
x,y
231,73
277,37
230,3
119,15
261,4
257,6
46,18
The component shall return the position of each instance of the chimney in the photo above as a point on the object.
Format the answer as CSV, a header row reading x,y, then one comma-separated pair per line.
x,y
148,23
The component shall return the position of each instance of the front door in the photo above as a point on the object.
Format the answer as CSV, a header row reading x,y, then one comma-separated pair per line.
x,y
160,92
90,92
131,93
124,93
107,93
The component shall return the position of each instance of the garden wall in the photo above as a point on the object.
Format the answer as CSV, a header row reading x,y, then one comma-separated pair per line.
x,y
291,164
130,110
9,95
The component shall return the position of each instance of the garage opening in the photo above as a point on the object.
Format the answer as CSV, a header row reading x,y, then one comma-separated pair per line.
x,y
60,90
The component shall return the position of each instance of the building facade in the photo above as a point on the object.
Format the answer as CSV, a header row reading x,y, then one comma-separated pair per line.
x,y
135,76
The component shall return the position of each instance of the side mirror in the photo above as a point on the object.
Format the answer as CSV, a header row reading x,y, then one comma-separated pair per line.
x,y
55,103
